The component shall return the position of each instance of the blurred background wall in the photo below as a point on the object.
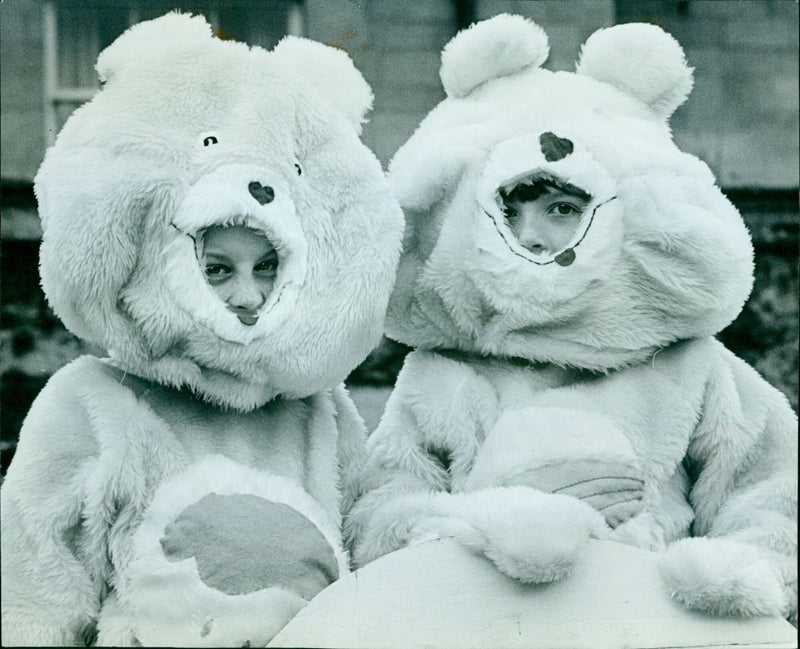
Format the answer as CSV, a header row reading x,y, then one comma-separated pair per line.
x,y
741,118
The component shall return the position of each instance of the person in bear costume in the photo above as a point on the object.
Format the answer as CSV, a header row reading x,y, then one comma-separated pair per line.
x,y
559,394
189,488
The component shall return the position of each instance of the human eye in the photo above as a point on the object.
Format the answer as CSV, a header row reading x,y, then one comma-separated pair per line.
x,y
563,208
217,271
510,213
268,265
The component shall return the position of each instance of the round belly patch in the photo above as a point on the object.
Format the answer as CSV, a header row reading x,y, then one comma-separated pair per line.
x,y
243,543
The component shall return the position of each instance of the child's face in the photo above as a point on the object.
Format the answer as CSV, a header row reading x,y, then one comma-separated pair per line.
x,y
544,217
240,265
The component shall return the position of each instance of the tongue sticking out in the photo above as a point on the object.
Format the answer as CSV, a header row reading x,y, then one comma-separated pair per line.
x,y
248,320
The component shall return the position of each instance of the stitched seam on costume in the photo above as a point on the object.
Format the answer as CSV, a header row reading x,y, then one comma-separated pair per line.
x,y
605,477
280,290
603,493
631,500
545,263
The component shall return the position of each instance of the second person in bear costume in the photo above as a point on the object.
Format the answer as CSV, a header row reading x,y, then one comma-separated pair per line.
x,y
571,387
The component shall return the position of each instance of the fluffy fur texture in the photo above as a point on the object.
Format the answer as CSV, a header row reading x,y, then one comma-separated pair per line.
x,y
502,523
642,61
181,128
593,379
508,45
665,256
142,481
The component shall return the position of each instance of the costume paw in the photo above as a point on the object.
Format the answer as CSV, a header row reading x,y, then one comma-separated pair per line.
x,y
723,577
593,461
408,521
538,540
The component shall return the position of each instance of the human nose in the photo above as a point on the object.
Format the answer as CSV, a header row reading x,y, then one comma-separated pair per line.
x,y
246,296
530,235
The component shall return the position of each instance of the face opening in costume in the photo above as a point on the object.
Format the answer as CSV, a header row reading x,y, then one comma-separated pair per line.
x,y
544,213
240,264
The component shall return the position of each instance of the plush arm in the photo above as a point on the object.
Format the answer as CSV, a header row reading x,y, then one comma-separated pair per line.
x,y
743,460
50,595
529,535
350,445
417,462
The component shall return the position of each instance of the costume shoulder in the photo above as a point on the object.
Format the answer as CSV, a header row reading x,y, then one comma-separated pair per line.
x,y
742,464
435,392
61,422
43,499
746,428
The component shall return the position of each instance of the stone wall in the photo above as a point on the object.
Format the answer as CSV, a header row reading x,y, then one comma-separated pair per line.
x,y
21,102
742,116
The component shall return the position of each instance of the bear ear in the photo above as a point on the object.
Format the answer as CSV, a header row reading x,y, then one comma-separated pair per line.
x,y
641,60
151,37
331,73
498,47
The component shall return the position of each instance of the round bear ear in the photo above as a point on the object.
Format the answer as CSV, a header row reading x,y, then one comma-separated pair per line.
x,y
498,47
641,60
151,37
331,72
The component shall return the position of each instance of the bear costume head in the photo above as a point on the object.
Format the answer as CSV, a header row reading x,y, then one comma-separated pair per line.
x,y
190,132
659,253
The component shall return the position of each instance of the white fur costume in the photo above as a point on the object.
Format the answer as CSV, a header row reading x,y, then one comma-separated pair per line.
x,y
544,389
188,490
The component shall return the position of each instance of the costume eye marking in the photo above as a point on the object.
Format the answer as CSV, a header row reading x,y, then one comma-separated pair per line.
x,y
208,138
299,170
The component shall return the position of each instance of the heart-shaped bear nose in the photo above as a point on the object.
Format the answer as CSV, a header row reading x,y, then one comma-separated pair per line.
x,y
554,147
263,194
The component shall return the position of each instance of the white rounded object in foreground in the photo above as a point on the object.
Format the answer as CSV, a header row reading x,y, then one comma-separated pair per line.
x,y
437,594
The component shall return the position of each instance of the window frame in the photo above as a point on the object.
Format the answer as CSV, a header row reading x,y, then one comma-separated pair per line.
x,y
55,94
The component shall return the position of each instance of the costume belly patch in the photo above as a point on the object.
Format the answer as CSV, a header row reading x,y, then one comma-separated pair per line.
x,y
224,555
243,543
